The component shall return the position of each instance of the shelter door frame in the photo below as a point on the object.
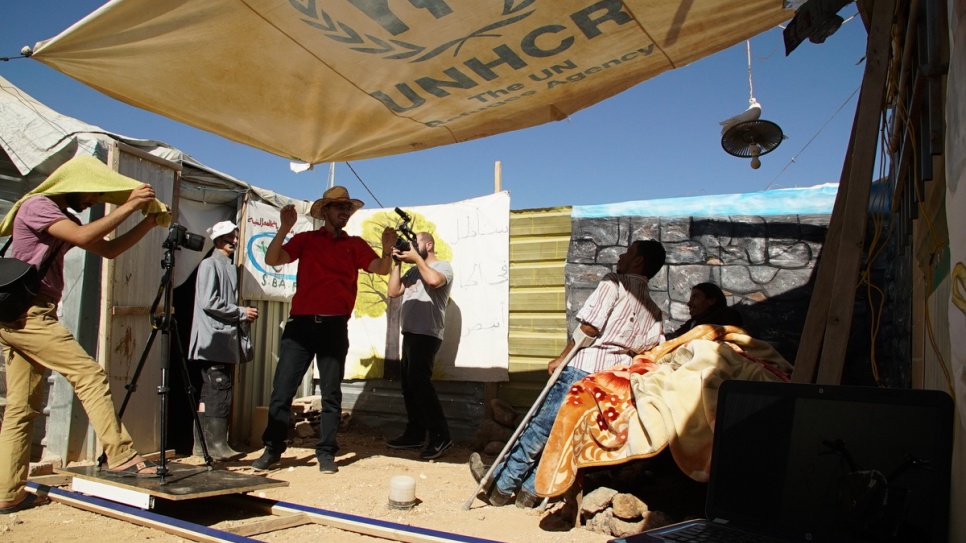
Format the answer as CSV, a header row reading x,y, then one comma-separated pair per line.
x,y
130,284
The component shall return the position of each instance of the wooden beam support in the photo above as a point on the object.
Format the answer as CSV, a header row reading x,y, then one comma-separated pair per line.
x,y
852,241
831,305
266,525
810,344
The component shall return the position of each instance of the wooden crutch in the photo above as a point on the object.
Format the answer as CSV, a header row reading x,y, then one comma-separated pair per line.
x,y
581,340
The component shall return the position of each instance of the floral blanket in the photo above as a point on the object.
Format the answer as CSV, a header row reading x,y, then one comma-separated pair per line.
x,y
666,398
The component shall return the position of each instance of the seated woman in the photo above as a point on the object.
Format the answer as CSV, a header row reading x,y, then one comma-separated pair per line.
x,y
708,305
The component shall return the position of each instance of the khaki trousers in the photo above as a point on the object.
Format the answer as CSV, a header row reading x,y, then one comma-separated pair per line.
x,y
41,344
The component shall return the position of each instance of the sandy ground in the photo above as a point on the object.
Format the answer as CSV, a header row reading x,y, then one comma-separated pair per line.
x,y
361,487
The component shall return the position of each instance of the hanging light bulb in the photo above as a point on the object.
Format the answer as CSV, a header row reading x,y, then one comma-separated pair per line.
x,y
754,150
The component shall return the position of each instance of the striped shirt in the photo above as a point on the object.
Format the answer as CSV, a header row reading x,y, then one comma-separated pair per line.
x,y
628,320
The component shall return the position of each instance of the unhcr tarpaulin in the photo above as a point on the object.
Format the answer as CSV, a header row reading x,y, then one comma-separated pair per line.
x,y
333,81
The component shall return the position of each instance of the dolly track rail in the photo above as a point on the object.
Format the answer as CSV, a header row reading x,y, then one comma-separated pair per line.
x,y
197,532
188,530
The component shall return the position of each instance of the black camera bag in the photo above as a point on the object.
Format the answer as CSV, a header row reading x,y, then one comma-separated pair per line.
x,y
19,284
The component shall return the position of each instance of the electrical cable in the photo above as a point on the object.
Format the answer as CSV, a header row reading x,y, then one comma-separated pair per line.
x,y
364,184
901,115
809,142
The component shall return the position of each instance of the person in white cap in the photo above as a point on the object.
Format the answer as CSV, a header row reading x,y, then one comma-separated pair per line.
x,y
216,344
318,324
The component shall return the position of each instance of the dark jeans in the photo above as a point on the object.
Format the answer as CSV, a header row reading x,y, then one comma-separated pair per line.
x,y
423,409
216,389
327,339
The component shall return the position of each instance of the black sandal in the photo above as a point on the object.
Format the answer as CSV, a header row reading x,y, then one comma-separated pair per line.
x,y
32,500
134,470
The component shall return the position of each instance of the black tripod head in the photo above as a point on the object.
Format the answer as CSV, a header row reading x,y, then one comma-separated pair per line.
x,y
178,237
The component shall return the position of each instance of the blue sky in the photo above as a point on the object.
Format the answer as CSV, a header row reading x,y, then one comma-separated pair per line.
x,y
660,139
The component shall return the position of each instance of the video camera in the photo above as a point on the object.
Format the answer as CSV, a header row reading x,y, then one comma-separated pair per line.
x,y
178,236
406,236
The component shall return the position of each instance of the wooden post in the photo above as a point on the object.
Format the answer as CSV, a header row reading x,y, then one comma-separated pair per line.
x,y
491,390
852,243
810,344
838,273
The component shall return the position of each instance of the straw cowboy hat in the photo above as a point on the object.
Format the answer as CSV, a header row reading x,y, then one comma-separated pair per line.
x,y
334,195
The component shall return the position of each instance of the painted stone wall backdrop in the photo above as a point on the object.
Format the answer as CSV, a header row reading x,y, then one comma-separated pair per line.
x,y
764,264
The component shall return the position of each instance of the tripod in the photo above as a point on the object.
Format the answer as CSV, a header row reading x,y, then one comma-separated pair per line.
x,y
165,323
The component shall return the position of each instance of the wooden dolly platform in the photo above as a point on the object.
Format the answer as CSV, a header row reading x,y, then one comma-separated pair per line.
x,y
182,482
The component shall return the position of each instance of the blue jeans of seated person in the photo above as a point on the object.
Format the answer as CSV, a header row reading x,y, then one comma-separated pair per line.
x,y
519,466
326,339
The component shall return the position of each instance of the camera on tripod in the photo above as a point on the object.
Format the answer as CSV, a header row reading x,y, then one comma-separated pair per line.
x,y
406,236
178,236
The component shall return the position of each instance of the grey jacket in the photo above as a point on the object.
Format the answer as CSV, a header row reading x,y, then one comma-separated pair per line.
x,y
214,330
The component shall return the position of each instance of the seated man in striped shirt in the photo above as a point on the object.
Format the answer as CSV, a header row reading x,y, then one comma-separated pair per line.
x,y
623,320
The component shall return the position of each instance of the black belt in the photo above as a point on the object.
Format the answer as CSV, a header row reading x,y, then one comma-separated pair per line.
x,y
319,319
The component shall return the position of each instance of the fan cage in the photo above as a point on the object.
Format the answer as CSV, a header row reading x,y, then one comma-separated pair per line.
x,y
738,139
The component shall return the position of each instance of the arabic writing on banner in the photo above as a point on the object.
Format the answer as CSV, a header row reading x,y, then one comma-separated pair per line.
x,y
474,236
261,281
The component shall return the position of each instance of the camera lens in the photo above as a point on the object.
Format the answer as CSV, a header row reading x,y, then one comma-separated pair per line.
x,y
401,244
178,237
193,242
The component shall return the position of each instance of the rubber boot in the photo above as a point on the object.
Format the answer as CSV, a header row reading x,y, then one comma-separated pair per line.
x,y
196,449
216,437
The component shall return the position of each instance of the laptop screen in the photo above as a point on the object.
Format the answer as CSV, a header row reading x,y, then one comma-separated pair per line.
x,y
832,463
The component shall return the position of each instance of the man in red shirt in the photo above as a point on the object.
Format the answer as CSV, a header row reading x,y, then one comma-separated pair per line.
x,y
329,264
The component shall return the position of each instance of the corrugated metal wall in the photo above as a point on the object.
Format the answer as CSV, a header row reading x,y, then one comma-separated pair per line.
x,y
253,385
936,355
131,283
539,241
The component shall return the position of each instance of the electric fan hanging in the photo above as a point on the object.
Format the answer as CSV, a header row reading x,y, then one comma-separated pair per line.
x,y
745,135
752,139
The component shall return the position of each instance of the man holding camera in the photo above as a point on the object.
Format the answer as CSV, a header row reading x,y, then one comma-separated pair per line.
x,y
329,264
425,290
42,226
215,339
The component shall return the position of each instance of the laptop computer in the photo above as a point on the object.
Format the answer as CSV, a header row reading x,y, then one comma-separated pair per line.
x,y
814,463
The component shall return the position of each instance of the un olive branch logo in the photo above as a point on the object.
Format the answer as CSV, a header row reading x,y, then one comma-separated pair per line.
x,y
398,49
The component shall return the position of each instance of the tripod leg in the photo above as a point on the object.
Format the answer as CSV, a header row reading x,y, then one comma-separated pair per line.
x,y
197,447
199,431
131,386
